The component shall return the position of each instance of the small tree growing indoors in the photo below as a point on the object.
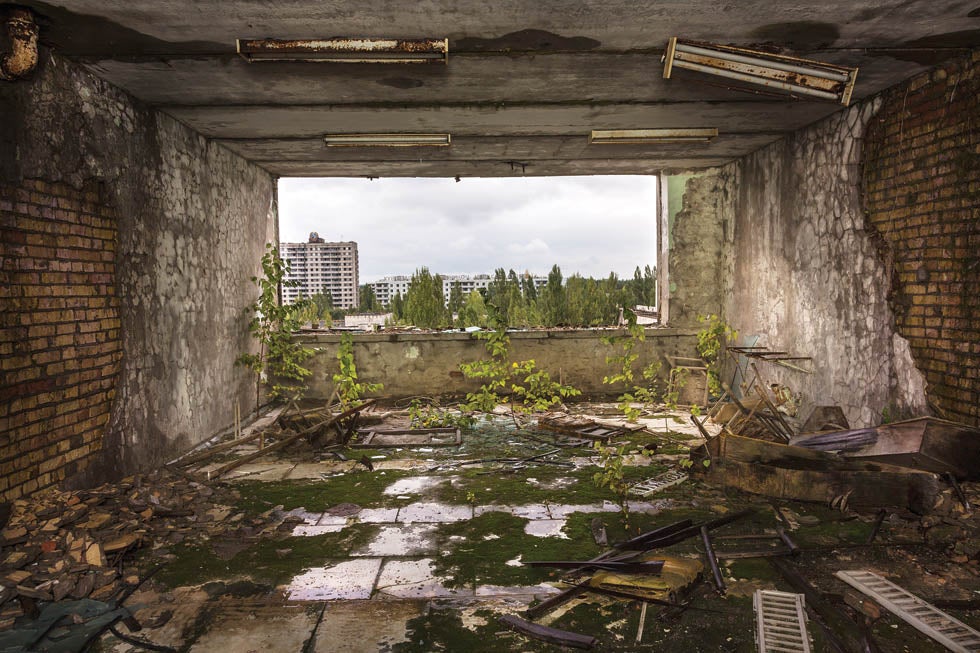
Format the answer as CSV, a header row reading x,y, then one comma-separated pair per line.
x,y
280,358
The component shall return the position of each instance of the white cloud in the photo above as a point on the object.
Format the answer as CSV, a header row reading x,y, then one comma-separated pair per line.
x,y
590,225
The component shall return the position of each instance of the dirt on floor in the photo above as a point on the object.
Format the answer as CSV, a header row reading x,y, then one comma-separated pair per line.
x,y
303,551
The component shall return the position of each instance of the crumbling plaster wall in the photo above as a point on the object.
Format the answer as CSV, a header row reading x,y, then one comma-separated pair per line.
x,y
700,218
807,275
192,222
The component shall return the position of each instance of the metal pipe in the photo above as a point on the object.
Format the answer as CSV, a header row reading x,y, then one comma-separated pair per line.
x,y
709,552
22,32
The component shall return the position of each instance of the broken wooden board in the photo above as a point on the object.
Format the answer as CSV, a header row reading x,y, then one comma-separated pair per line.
x,y
926,443
583,428
788,472
436,437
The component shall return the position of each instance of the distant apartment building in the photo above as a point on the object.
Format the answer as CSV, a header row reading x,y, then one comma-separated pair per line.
x,y
386,288
322,267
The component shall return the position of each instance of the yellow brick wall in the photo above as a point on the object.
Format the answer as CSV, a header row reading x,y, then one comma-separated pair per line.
x,y
922,194
60,343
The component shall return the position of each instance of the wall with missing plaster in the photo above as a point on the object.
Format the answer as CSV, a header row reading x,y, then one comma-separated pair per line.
x,y
806,274
922,190
421,364
700,214
188,222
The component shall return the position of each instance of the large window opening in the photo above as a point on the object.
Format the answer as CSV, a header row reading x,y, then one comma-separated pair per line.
x,y
535,251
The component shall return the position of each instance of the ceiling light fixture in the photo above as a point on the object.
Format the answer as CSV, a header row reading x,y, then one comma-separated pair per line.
x,y
650,136
387,140
346,50
803,76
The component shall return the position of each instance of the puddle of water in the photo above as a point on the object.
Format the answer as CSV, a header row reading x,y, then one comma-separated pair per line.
x,y
414,579
530,511
546,528
312,531
434,513
413,485
526,590
401,540
351,579
377,516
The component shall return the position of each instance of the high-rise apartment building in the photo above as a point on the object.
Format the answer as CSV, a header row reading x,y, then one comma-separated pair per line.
x,y
322,267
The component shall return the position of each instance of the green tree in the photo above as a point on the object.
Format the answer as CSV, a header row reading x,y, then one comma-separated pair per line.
x,y
424,302
280,358
368,300
397,307
323,302
474,311
554,300
455,298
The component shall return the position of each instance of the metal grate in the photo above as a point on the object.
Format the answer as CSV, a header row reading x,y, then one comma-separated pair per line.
x,y
780,622
924,617
657,483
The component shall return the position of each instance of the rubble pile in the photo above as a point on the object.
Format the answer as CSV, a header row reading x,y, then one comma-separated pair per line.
x,y
84,543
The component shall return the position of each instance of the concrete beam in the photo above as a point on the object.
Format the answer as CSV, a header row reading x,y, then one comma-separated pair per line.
x,y
485,168
171,26
486,148
561,119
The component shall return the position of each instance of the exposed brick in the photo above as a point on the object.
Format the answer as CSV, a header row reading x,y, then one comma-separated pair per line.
x,y
921,192
60,347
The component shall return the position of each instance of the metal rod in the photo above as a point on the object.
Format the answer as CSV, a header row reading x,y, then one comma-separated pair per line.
x,y
959,491
793,549
709,552
877,526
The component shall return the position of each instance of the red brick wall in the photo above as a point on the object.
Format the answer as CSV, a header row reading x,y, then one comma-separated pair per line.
x,y
60,345
922,193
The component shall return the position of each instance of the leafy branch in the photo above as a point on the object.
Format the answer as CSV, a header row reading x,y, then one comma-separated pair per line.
x,y
280,358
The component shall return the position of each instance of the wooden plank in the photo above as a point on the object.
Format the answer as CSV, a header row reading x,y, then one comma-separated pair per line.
x,y
249,433
224,469
787,472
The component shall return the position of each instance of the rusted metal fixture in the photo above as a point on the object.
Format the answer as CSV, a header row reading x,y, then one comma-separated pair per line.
x,y
792,74
346,50
22,32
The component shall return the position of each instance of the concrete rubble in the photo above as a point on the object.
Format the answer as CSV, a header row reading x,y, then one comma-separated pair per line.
x,y
429,552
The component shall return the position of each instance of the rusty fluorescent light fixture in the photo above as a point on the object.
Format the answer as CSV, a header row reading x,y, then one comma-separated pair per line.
x,y
348,50
387,140
650,136
802,76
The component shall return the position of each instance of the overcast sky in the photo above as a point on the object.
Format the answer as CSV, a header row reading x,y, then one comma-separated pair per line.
x,y
590,225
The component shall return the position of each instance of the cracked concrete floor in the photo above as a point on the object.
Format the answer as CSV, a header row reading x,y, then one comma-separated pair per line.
x,y
425,552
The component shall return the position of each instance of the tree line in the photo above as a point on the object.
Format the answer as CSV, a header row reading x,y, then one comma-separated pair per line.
x,y
575,301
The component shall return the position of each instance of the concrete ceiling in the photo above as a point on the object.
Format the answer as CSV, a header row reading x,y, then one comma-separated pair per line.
x,y
525,83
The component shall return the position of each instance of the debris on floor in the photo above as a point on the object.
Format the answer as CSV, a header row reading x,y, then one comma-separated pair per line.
x,y
503,541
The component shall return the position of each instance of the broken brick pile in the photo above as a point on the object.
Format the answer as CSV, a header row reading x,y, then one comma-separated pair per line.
x,y
84,543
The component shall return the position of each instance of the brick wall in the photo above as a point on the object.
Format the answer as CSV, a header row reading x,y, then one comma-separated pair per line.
x,y
60,344
922,193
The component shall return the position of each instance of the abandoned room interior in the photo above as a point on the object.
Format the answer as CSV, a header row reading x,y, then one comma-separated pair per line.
x,y
788,460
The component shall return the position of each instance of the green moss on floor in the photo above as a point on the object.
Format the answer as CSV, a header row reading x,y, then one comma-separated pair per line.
x,y
442,629
365,488
555,485
268,561
494,538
